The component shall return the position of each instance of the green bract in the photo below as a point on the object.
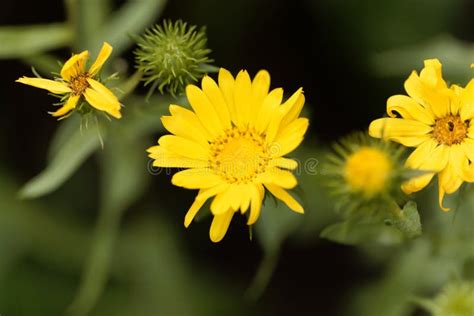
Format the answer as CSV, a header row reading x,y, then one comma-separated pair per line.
x,y
171,56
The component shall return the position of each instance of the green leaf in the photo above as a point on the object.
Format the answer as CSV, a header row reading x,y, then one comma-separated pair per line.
x,y
132,18
23,41
358,232
68,158
407,220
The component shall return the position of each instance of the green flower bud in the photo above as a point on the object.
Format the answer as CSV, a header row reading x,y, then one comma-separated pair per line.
x,y
171,56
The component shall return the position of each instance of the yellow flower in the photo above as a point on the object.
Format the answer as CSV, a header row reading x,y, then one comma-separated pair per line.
x,y
232,146
438,120
76,82
368,170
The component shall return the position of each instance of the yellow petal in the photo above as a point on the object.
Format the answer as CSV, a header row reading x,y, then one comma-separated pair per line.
x,y
104,54
468,146
68,106
408,108
187,126
284,196
101,98
166,159
184,147
50,85
256,204
214,94
260,88
191,119
74,66
269,106
466,110
204,110
226,85
289,138
432,96
193,210
288,105
279,177
208,193
294,111
242,97
418,183
284,163
449,182
198,178
219,225
397,129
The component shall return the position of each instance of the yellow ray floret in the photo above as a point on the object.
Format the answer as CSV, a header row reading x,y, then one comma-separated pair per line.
x,y
232,144
76,82
438,121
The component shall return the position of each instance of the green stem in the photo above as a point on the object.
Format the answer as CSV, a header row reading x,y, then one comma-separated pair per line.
x,y
127,87
264,274
98,263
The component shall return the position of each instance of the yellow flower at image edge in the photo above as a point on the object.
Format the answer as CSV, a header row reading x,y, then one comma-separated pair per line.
x,y
76,82
232,145
438,121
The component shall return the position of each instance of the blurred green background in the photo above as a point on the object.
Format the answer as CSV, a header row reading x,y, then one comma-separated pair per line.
x,y
68,253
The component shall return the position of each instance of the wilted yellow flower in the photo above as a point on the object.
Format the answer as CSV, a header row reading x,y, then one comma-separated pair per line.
x,y
232,145
76,82
436,119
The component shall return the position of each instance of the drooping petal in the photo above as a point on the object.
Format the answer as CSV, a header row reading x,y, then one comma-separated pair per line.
x,y
256,204
193,210
285,163
52,86
400,130
204,110
279,177
184,147
449,182
101,98
74,65
219,225
67,107
214,94
284,196
196,178
409,109
418,183
104,54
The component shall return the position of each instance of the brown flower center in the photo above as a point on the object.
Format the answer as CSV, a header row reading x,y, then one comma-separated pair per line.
x,y
450,130
79,84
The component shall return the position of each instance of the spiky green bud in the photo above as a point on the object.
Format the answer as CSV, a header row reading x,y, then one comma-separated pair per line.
x,y
172,55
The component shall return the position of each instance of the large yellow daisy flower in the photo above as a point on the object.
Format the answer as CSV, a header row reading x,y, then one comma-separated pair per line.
x,y
232,146
76,82
438,120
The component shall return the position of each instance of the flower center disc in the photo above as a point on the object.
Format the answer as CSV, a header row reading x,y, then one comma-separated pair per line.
x,y
450,130
239,156
367,170
79,84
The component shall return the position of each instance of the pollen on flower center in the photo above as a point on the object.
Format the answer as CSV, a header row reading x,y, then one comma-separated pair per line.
x,y
79,84
450,130
367,170
240,155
